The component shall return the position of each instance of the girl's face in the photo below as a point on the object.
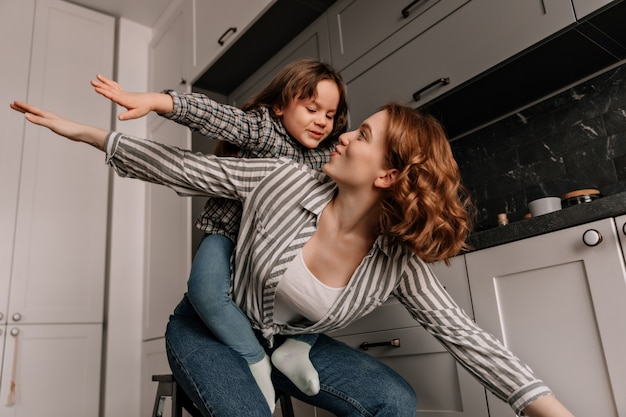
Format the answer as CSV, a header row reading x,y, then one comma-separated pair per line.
x,y
311,120
359,158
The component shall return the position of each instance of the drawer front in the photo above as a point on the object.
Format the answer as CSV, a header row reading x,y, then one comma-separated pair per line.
x,y
443,388
356,26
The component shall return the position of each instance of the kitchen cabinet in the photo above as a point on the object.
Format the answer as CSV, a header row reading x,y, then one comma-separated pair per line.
x,y
55,194
468,42
559,304
356,26
16,27
444,388
167,55
313,43
212,26
55,369
57,191
168,240
583,8
168,216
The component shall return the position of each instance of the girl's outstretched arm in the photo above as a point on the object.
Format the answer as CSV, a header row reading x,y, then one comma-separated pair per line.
x,y
62,126
137,104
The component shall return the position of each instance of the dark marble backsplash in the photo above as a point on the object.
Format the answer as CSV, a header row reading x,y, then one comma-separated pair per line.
x,y
570,141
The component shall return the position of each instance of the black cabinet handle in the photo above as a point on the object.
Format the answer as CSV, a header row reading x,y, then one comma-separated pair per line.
x,y
443,81
405,11
229,30
392,342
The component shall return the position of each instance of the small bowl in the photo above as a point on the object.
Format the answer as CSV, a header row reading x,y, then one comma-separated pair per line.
x,y
544,205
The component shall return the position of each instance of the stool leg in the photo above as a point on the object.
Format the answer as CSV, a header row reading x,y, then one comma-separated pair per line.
x,y
164,389
286,407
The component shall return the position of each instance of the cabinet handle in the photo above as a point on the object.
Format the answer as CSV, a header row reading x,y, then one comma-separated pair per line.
x,y
229,30
183,81
16,317
1,316
592,237
392,342
405,11
443,81
13,386
623,231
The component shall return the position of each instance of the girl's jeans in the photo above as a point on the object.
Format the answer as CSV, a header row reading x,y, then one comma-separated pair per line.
x,y
208,290
219,381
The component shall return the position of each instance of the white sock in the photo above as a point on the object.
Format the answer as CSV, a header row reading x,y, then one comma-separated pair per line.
x,y
292,359
262,373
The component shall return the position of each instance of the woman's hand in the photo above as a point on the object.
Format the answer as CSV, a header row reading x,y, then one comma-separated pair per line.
x,y
62,126
136,104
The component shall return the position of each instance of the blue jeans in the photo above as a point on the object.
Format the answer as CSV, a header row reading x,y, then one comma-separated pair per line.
x,y
208,290
218,380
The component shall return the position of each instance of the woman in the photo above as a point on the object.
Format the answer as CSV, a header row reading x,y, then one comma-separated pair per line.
x,y
387,203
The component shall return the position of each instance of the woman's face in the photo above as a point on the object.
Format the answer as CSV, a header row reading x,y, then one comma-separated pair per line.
x,y
359,158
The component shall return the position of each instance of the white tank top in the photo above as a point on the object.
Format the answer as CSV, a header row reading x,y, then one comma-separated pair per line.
x,y
300,294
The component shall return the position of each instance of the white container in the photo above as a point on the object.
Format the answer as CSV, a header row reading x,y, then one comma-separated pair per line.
x,y
544,206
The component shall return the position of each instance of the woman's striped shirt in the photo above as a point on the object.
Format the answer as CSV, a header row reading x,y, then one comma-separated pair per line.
x,y
282,202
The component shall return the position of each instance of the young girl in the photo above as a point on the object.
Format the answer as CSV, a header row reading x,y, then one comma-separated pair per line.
x,y
296,115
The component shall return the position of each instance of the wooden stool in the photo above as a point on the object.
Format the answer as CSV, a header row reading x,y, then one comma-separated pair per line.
x,y
169,388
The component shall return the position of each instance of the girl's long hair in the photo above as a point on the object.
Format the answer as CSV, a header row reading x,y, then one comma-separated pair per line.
x,y
297,80
427,208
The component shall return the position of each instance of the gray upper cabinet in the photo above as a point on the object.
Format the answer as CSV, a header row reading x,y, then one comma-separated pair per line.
x,y
468,42
357,26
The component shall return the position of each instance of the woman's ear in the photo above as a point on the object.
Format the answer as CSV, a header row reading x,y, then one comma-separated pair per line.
x,y
387,178
278,111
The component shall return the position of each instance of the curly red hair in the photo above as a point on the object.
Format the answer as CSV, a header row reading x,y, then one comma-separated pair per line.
x,y
427,208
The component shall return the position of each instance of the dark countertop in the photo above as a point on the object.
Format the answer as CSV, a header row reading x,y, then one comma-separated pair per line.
x,y
610,206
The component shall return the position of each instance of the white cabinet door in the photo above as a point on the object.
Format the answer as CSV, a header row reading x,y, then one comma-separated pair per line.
x,y
167,53
61,225
356,26
16,28
55,370
468,42
168,216
215,25
443,388
168,240
560,305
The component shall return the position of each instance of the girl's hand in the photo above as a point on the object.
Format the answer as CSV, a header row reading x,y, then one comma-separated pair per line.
x,y
62,126
136,104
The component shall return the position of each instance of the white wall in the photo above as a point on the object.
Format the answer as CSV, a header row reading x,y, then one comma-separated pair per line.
x,y
126,258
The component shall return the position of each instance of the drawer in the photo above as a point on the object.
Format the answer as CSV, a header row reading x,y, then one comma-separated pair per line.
x,y
443,388
356,26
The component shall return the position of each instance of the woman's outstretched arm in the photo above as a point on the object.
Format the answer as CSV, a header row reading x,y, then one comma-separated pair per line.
x,y
62,126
